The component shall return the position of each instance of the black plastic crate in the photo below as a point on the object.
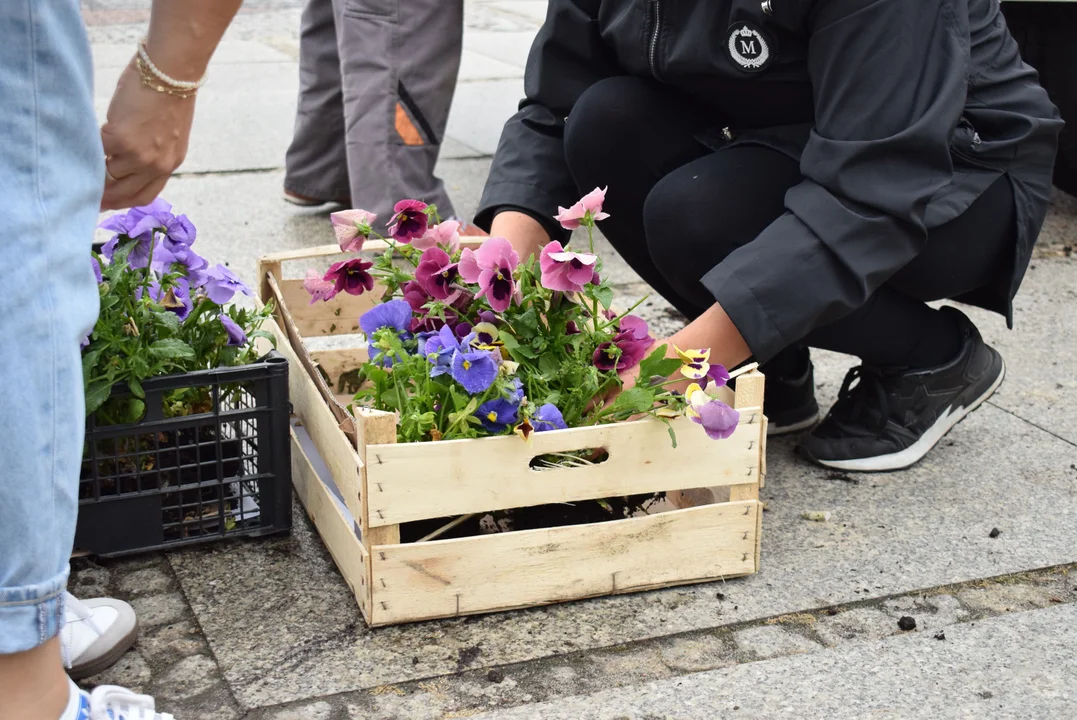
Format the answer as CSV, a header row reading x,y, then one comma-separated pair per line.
x,y
169,482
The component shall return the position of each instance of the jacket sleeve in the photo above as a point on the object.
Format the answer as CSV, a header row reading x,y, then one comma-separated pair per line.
x,y
889,81
529,171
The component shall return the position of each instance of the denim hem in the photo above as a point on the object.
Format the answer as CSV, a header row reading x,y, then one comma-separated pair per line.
x,y
31,615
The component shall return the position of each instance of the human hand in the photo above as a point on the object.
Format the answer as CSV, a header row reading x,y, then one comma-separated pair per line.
x,y
524,233
145,138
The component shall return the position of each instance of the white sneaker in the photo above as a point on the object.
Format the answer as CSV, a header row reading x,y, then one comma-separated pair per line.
x,y
108,702
96,634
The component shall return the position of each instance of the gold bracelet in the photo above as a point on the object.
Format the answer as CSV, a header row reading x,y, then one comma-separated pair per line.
x,y
152,81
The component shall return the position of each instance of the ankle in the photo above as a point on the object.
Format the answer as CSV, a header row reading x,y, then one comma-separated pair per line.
x,y
33,684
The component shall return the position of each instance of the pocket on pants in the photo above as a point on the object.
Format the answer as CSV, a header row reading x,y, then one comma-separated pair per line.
x,y
379,9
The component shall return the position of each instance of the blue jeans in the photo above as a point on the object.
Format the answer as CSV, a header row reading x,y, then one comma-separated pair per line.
x,y
51,178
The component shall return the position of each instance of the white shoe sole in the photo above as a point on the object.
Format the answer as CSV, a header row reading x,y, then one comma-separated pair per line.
x,y
779,430
915,452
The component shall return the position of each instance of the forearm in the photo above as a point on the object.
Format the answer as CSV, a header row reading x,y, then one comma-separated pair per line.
x,y
713,329
184,33
524,232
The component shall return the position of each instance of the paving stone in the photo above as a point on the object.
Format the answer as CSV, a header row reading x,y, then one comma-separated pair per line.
x,y
313,711
623,667
190,676
89,581
855,624
156,610
948,611
390,706
767,641
695,654
145,582
170,643
131,671
1004,598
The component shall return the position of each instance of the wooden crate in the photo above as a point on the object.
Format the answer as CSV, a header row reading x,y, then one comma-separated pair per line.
x,y
358,485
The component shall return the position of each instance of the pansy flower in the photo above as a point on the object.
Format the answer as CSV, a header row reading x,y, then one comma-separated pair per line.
x,y
719,420
236,336
96,270
496,415
628,347
474,369
351,276
585,212
436,273
566,271
491,266
547,417
352,228
409,221
439,349
445,235
394,314
318,287
221,284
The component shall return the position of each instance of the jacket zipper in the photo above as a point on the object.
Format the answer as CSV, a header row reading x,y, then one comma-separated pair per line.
x,y
655,12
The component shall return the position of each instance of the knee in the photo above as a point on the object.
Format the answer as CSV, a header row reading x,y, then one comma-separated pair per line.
x,y
682,221
605,120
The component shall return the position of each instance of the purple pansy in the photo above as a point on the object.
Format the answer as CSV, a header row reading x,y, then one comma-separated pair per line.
x,y
394,314
177,298
718,419
633,339
409,220
440,347
221,284
496,415
351,276
96,270
476,370
236,336
547,417
436,273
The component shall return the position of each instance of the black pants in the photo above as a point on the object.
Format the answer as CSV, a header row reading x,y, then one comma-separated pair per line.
x,y
677,209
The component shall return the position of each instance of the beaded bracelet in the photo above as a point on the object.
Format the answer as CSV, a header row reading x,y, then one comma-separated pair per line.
x,y
153,77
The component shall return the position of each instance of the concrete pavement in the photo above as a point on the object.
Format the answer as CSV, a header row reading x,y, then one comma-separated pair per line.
x,y
267,629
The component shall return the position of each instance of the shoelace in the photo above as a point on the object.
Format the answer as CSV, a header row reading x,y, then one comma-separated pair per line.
x,y
108,702
84,614
869,393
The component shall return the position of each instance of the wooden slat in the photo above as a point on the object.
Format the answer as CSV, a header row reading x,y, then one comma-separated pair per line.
x,y
338,361
336,530
415,481
322,251
448,578
750,396
375,427
333,445
339,316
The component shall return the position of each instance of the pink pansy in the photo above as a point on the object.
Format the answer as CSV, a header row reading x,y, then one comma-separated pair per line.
x,y
436,273
587,211
445,235
352,228
351,276
409,221
565,271
318,287
633,339
491,266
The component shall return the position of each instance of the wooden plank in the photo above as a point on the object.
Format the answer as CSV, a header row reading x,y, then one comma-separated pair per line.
x,y
336,530
750,396
265,269
338,361
375,427
448,578
339,316
340,456
322,251
763,457
415,481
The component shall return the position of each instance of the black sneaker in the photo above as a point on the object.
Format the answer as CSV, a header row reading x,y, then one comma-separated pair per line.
x,y
789,403
890,419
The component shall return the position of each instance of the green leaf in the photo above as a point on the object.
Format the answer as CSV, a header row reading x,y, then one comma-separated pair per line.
x,y
528,321
658,364
635,400
604,294
172,349
136,388
135,409
519,352
549,365
96,394
89,361
265,334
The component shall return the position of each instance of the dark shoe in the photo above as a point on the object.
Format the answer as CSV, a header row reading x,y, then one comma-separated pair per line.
x,y
307,202
890,419
789,403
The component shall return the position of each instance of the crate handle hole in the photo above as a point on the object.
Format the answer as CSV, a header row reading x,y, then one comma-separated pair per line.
x,y
575,459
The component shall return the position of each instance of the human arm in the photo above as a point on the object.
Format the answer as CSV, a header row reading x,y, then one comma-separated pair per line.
x,y
146,132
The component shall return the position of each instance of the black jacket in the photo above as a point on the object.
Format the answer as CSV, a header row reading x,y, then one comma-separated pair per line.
x,y
901,112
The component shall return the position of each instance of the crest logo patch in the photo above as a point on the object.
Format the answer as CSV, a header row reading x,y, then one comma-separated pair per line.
x,y
748,48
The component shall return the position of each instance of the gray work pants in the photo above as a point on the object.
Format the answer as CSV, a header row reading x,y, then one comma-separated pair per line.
x,y
376,79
